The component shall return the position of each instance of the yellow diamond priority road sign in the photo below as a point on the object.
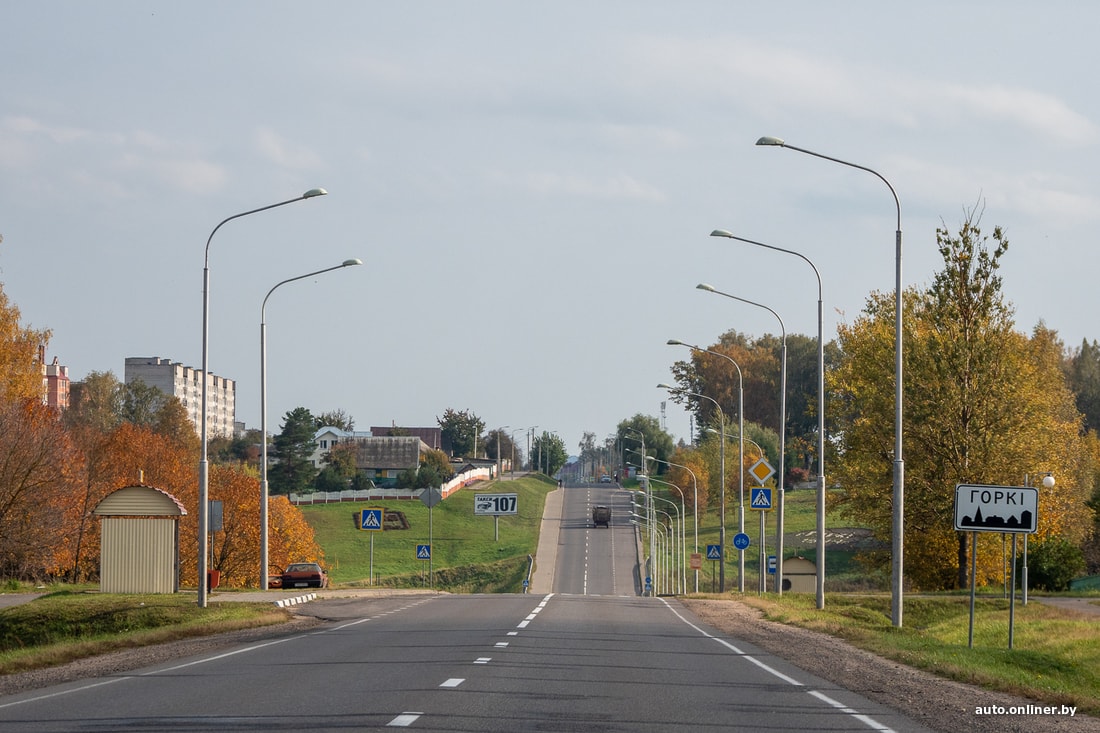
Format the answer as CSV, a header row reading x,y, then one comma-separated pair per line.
x,y
762,471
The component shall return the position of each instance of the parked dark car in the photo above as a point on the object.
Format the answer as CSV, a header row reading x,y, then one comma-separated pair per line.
x,y
305,575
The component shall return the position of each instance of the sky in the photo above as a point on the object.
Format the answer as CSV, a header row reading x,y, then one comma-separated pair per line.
x,y
530,186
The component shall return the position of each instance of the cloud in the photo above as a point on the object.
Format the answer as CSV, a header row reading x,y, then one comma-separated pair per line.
x,y
617,187
279,150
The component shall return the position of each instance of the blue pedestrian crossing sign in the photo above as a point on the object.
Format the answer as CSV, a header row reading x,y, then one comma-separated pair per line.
x,y
714,552
761,499
372,520
423,552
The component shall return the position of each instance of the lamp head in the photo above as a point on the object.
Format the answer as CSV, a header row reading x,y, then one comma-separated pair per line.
x,y
675,342
351,262
721,233
662,385
768,140
311,193
704,286
1048,481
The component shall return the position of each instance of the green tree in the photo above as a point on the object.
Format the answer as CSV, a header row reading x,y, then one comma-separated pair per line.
x,y
95,402
292,470
498,438
658,443
339,470
1083,375
548,452
462,430
335,419
984,404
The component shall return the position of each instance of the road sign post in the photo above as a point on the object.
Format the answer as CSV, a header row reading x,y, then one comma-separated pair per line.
x,y
761,501
714,553
372,520
495,505
1013,509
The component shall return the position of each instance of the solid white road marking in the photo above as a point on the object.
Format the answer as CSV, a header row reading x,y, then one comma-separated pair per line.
x,y
865,719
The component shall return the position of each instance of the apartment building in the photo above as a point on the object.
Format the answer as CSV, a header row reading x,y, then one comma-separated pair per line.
x,y
184,382
55,381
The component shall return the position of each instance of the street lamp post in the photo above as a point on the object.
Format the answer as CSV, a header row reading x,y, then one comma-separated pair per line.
x,y
649,494
204,476
683,526
898,543
740,457
695,489
782,433
820,412
722,492
263,414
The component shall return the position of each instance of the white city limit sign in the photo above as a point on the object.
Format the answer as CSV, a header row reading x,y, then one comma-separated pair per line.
x,y
996,508
495,504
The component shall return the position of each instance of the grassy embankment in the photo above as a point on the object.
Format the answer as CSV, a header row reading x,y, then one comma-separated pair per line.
x,y
465,556
66,625
1055,659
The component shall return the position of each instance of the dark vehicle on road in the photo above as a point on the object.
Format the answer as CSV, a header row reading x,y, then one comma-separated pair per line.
x,y
601,515
305,575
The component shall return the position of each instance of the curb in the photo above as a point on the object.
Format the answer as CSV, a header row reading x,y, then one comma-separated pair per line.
x,y
283,603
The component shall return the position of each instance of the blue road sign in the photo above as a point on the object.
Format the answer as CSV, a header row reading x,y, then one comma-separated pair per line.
x,y
741,541
714,552
423,552
761,499
771,564
371,520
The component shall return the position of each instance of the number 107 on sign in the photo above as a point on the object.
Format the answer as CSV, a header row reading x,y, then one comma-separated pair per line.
x,y
495,504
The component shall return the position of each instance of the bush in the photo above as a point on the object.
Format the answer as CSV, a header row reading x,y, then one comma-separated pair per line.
x,y
1052,564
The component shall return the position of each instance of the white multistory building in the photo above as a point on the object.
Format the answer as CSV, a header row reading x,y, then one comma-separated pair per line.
x,y
185,382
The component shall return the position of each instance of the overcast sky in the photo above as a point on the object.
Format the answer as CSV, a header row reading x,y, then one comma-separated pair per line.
x,y
530,186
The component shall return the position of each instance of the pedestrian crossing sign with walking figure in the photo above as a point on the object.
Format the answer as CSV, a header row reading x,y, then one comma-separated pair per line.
x,y
372,520
761,499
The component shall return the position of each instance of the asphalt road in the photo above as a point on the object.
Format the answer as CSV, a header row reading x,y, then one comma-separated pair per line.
x,y
591,655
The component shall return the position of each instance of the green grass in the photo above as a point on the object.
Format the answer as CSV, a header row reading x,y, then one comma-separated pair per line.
x,y
465,555
64,626
1055,657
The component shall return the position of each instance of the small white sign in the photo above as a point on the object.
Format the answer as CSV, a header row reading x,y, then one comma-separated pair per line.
x,y
996,508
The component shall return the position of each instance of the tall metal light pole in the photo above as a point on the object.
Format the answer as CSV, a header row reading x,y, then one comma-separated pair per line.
x,y
740,455
722,493
264,564
782,433
695,489
649,495
820,412
898,542
204,518
683,524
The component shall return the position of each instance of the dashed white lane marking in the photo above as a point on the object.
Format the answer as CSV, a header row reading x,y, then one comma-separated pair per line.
x,y
500,644
454,682
404,720
483,660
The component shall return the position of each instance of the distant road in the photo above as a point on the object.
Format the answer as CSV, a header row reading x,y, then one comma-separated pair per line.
x,y
596,560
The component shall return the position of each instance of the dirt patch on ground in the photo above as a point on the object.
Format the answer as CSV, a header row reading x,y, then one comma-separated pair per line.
x,y
937,703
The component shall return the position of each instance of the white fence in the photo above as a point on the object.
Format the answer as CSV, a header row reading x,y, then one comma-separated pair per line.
x,y
460,480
